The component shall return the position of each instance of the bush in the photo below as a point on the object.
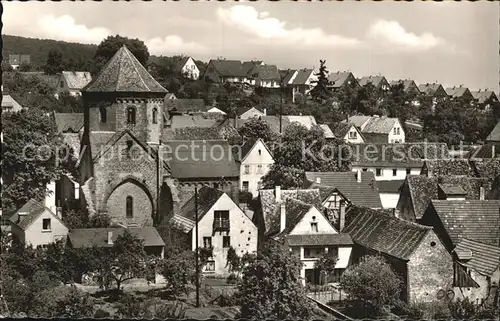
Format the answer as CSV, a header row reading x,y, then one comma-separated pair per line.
x,y
246,197
101,314
462,309
232,279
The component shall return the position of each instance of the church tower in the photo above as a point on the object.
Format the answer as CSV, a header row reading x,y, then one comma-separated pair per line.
x,y
125,96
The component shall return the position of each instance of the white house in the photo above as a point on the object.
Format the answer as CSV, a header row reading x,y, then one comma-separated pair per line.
x,y
309,234
188,68
256,160
221,225
73,82
389,192
36,225
216,110
249,112
349,133
9,104
379,129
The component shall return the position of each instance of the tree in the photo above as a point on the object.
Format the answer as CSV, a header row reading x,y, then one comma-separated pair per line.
x,y
25,66
321,92
54,64
271,287
326,263
31,158
178,269
6,66
256,128
372,281
125,260
109,46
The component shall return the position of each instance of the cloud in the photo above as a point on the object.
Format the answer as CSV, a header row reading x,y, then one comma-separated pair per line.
x,y
66,29
249,20
174,44
391,33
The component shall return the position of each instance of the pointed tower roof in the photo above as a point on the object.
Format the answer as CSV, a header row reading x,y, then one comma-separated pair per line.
x,y
124,73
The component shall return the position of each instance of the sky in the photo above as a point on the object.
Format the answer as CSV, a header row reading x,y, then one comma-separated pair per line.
x,y
453,43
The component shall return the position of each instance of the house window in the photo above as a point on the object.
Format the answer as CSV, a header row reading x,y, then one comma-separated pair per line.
x,y
396,131
129,148
378,172
61,84
247,169
408,171
131,115
314,226
104,115
259,169
245,186
260,152
221,220
353,135
46,224
210,266
130,207
207,242
155,116
365,169
394,172
226,241
307,252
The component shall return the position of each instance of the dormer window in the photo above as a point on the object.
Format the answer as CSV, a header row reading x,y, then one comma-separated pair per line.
x,y
131,115
260,152
46,224
314,227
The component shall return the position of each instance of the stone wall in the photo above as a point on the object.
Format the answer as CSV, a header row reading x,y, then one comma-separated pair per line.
x,y
430,269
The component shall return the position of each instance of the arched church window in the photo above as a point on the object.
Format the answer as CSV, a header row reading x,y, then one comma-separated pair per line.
x,y
130,207
103,113
131,115
155,115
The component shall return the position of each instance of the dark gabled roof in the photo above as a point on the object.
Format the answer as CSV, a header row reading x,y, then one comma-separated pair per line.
x,y
423,189
206,159
271,208
477,220
456,92
484,258
243,109
374,80
185,105
429,89
265,72
452,166
68,122
384,233
287,75
90,237
295,211
180,62
494,135
341,129
404,154
484,95
230,68
379,125
338,78
488,150
207,197
407,84
392,186
318,239
302,76
364,193
32,209
124,73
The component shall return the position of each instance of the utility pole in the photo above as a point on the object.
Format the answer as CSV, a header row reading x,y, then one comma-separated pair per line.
x,y
197,252
282,87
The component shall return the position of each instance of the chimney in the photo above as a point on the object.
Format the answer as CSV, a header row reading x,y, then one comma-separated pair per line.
x,y
110,238
481,193
358,176
282,217
277,193
341,216
318,180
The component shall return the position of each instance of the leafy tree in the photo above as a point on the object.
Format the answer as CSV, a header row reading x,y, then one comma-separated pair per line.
x,y
6,66
256,128
321,92
271,287
326,263
109,46
285,176
30,157
372,281
54,64
178,269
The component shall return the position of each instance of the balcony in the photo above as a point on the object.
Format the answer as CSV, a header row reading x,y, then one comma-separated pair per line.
x,y
221,225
